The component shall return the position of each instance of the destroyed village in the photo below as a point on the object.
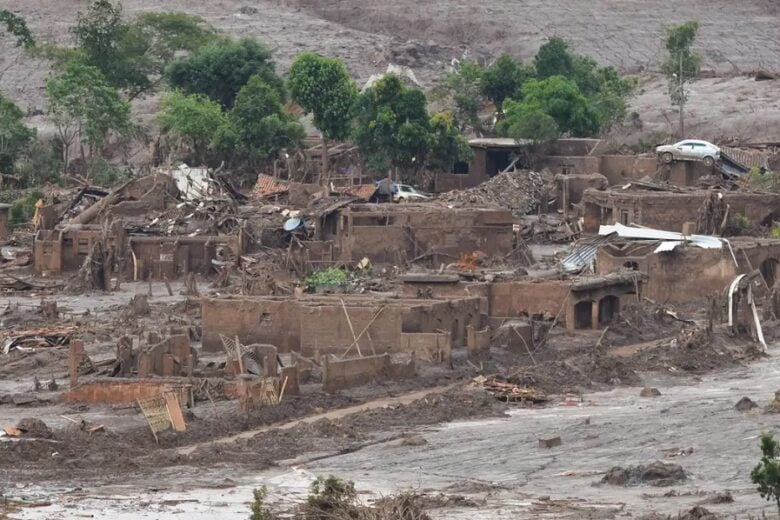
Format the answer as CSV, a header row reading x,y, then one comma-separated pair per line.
x,y
400,260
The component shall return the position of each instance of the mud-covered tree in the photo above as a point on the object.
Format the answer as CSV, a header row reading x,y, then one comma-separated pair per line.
x,y
504,79
525,121
189,122
392,126
681,64
447,145
766,475
258,508
554,59
257,126
465,85
220,69
132,54
562,100
85,109
17,26
322,87
331,497
15,136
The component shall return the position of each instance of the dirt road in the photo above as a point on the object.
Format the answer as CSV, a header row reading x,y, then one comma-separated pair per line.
x,y
332,415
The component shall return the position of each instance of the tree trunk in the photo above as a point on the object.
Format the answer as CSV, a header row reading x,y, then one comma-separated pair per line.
x,y
324,172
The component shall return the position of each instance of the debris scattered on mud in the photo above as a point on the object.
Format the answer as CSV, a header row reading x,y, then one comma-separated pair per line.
x,y
655,474
745,404
33,427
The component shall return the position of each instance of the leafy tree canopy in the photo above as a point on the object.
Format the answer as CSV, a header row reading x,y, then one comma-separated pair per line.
x,y
323,87
220,69
562,100
447,144
83,105
767,473
257,125
192,118
504,79
392,125
554,59
525,121
15,136
465,84
17,26
132,55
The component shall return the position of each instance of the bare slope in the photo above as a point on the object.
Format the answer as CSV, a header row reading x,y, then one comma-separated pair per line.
x,y
736,37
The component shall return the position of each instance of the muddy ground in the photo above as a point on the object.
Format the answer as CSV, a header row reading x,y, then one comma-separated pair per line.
x,y
488,464
310,430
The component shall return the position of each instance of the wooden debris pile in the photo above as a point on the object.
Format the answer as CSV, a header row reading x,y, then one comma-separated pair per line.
x,y
520,191
33,338
511,393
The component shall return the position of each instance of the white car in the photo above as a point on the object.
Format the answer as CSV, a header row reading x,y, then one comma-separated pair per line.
x,y
689,150
405,193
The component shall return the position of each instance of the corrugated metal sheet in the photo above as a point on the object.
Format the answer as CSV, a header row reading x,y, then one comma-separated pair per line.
x,y
746,156
643,233
583,255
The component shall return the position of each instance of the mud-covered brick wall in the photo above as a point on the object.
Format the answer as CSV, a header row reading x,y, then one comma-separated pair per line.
x,y
114,391
325,330
252,321
575,185
478,340
619,169
428,346
683,275
669,211
521,298
579,165
338,374
444,316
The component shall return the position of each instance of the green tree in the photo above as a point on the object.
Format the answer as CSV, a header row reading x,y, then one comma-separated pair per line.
x,y
85,109
554,59
192,121
562,100
132,55
392,127
15,136
767,473
258,508
465,85
681,64
447,145
17,26
322,86
604,87
331,497
257,124
504,79
525,121
220,69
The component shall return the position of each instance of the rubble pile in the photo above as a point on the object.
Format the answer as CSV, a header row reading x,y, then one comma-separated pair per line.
x,y
520,191
655,474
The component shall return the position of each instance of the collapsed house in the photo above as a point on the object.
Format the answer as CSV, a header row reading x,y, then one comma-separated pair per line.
x,y
670,210
397,234
323,324
161,226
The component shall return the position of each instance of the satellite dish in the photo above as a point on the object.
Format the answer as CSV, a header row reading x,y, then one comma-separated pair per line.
x,y
291,224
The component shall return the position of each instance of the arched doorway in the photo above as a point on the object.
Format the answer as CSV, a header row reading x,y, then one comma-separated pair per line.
x,y
609,307
768,270
583,312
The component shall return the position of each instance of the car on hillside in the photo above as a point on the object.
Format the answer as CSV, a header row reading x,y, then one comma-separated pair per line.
x,y
689,150
406,193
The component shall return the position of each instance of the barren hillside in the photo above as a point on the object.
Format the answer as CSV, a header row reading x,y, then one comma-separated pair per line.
x,y
735,38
